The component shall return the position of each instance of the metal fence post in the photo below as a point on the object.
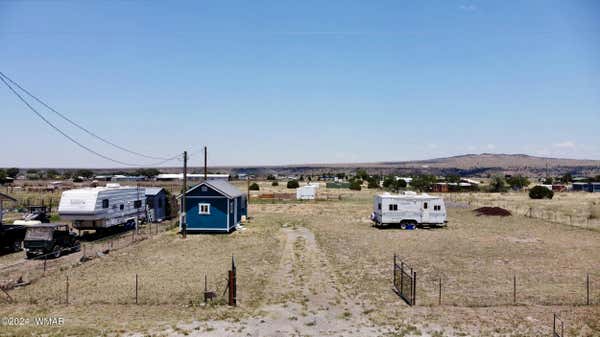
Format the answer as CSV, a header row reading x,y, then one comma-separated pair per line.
x,y
514,289
440,293
136,288
67,290
414,293
587,285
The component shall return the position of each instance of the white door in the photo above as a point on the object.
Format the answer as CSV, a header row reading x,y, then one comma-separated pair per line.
x,y
425,212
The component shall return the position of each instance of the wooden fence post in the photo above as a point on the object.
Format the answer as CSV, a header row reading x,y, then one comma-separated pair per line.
x,y
67,290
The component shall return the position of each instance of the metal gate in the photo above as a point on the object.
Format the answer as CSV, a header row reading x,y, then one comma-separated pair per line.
x,y
405,282
558,327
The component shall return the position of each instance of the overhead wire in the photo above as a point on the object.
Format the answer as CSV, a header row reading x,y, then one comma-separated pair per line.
x,y
79,126
73,140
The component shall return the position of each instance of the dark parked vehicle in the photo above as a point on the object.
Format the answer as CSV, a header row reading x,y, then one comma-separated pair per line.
x,y
40,213
50,240
11,237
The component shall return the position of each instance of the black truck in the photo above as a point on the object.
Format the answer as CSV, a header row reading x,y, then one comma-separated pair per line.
x,y
11,237
50,240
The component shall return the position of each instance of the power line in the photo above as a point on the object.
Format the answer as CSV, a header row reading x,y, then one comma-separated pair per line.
x,y
71,138
76,124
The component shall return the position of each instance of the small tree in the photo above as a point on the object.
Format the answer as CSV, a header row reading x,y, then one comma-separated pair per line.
x,y
362,174
399,184
275,183
3,176
254,187
540,192
355,185
372,183
388,182
293,184
12,172
52,174
518,182
497,184
453,178
423,182
567,178
270,177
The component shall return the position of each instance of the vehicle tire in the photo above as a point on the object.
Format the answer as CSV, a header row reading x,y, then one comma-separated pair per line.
x,y
403,225
76,247
56,252
17,246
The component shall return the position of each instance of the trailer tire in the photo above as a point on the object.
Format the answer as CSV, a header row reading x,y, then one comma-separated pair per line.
x,y
17,246
56,251
30,255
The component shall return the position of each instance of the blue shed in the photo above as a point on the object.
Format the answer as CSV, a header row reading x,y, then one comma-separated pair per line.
x,y
214,206
156,204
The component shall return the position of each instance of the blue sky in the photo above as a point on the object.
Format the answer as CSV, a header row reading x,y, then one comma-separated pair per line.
x,y
281,82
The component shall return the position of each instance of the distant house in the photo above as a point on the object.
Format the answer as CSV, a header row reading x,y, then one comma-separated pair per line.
x,y
582,187
156,204
595,187
440,187
214,206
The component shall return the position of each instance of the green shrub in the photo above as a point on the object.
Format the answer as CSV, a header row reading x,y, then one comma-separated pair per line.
x,y
355,185
293,184
540,192
275,183
373,183
254,187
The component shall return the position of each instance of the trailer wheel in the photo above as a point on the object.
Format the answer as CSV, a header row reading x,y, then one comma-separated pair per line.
x,y
56,252
17,246
403,225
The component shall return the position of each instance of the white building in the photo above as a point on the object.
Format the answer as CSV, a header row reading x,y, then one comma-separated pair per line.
x,y
308,192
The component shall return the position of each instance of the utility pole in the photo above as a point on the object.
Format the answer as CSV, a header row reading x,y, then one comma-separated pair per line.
x,y
138,201
183,210
205,165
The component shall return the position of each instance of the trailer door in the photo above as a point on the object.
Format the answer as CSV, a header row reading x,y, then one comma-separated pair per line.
x,y
425,211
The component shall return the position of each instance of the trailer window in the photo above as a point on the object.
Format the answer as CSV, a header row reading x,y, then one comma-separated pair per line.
x,y
160,203
379,206
122,207
204,209
424,205
104,203
137,204
393,207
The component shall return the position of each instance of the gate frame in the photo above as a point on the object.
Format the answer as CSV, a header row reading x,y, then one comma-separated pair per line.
x,y
410,300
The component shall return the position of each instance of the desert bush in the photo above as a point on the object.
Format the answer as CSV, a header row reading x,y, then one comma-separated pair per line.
x,y
275,183
254,187
355,185
540,192
497,184
293,184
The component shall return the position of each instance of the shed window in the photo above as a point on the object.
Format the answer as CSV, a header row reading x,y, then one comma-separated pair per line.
x,y
122,207
379,206
160,203
424,205
393,207
204,209
104,203
203,189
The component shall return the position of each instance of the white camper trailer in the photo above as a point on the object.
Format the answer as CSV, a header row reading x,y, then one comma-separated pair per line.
x,y
408,209
308,192
103,207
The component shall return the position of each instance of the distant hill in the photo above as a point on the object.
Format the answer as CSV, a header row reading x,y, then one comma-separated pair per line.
x,y
467,165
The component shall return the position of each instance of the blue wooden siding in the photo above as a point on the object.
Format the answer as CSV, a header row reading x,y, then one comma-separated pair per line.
x,y
158,205
216,220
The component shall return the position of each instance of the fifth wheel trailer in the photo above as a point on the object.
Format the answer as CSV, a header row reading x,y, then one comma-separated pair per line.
x,y
408,208
101,208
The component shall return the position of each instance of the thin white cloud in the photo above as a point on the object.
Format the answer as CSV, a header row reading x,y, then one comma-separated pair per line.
x,y
490,146
468,7
568,144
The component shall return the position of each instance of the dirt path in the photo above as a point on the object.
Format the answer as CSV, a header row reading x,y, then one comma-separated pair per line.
x,y
304,300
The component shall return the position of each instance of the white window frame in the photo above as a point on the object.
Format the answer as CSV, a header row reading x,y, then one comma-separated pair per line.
x,y
200,205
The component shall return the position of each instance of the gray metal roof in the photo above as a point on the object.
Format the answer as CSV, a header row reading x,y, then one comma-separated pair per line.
x,y
225,187
220,185
153,190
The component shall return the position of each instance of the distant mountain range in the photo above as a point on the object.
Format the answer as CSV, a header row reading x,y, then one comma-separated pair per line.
x,y
466,165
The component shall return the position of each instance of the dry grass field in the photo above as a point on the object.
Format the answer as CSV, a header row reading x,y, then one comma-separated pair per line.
x,y
320,268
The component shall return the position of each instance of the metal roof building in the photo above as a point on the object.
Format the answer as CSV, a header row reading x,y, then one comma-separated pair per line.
x,y
214,206
156,204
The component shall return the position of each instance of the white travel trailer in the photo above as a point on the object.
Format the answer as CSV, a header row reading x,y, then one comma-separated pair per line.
x,y
308,192
103,207
407,209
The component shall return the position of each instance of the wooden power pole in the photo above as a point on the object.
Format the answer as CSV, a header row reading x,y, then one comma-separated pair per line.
x,y
205,164
183,210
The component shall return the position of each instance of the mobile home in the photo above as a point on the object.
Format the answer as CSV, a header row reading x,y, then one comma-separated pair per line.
x,y
103,207
408,208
